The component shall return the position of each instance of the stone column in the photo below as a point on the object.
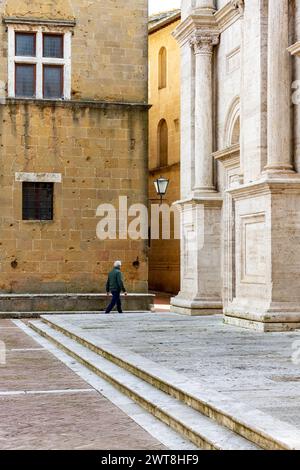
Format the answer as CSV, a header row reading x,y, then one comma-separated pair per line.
x,y
279,88
210,4
203,48
192,6
201,292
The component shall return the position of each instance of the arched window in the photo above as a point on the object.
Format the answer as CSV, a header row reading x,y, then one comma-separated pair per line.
x,y
232,127
162,68
162,140
235,135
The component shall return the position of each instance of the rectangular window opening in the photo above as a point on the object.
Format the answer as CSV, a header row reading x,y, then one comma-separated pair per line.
x,y
39,63
38,201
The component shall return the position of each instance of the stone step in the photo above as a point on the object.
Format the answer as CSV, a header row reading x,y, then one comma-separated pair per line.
x,y
252,424
28,315
44,303
200,430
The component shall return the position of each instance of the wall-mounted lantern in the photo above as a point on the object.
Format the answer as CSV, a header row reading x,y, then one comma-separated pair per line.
x,y
161,187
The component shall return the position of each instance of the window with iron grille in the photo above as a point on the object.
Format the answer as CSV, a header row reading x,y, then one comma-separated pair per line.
x,y
38,201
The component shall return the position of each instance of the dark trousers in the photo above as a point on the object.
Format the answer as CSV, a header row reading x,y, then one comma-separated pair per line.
x,y
116,301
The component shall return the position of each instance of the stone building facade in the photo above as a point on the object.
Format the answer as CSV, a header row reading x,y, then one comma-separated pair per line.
x,y
73,133
164,141
240,161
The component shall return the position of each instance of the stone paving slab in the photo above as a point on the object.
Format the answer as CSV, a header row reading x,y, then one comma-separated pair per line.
x,y
75,421
30,368
246,367
58,410
7,324
15,339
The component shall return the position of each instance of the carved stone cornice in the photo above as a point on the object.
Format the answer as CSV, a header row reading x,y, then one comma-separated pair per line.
x,y
266,185
229,157
229,14
215,199
202,24
14,20
295,49
238,5
209,20
203,43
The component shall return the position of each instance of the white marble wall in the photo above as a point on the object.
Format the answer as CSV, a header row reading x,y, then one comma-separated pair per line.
x,y
187,120
228,79
256,235
296,90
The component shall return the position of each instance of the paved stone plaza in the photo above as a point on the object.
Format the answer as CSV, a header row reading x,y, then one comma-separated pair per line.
x,y
54,392
45,405
241,365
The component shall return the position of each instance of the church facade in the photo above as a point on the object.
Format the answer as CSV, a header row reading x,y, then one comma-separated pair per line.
x,y
240,162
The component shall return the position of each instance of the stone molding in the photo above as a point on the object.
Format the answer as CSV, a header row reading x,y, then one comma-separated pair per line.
x,y
74,103
295,49
39,21
238,5
39,177
214,200
230,159
229,14
202,25
209,20
229,156
265,186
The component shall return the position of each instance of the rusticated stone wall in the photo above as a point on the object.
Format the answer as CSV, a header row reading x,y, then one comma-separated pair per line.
x,y
97,142
100,152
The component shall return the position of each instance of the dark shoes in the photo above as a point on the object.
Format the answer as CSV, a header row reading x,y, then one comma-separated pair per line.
x,y
108,313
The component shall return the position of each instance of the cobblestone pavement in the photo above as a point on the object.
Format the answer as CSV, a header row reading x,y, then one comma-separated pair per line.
x,y
242,365
44,405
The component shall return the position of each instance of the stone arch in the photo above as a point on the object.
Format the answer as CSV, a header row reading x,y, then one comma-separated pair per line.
x,y
162,143
232,127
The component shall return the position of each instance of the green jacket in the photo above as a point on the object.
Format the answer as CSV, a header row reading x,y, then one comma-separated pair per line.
x,y
115,281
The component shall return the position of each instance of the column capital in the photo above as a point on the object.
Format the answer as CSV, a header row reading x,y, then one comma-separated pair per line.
x,y
203,43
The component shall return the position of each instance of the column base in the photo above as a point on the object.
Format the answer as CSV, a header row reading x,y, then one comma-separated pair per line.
x,y
260,326
196,307
274,319
266,294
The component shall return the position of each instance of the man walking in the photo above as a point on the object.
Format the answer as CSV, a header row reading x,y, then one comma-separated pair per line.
x,y
115,286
